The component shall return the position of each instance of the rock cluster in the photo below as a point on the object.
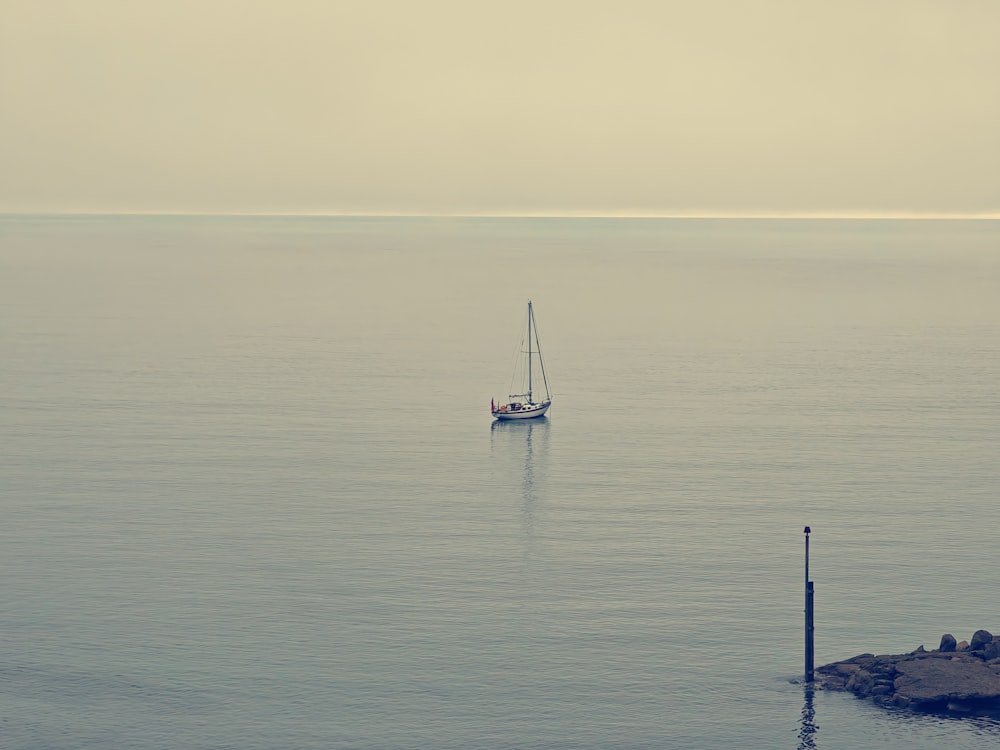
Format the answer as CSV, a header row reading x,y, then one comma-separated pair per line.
x,y
957,677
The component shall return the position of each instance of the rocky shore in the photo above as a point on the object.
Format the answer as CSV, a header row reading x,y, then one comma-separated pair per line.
x,y
961,678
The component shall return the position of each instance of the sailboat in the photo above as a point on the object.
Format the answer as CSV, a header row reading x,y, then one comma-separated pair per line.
x,y
523,405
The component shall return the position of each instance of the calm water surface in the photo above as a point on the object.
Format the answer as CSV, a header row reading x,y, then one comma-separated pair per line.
x,y
253,498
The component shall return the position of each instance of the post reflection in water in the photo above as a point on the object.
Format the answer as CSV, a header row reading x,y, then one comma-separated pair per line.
x,y
522,434
807,730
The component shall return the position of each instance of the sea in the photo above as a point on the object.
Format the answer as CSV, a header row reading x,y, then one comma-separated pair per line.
x,y
253,498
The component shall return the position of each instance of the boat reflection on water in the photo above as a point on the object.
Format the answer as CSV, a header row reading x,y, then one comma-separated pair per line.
x,y
518,425
513,445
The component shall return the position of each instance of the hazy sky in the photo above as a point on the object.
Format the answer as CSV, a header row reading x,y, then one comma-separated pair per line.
x,y
434,106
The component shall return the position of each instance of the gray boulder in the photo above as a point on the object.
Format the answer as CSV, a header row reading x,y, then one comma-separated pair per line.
x,y
979,639
992,649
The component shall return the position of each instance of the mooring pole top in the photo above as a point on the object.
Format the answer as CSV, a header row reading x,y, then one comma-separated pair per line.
x,y
807,530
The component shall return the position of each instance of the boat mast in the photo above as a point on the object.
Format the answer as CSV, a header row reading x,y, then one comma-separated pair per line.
x,y
530,400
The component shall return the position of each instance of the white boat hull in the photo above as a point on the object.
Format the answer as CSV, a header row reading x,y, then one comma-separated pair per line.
x,y
525,412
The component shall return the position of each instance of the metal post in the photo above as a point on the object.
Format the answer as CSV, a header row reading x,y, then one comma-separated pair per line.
x,y
807,532
809,615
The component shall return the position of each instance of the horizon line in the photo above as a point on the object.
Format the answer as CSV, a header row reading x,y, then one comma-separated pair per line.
x,y
814,215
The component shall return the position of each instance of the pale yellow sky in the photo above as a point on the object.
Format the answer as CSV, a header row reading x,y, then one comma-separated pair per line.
x,y
741,107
